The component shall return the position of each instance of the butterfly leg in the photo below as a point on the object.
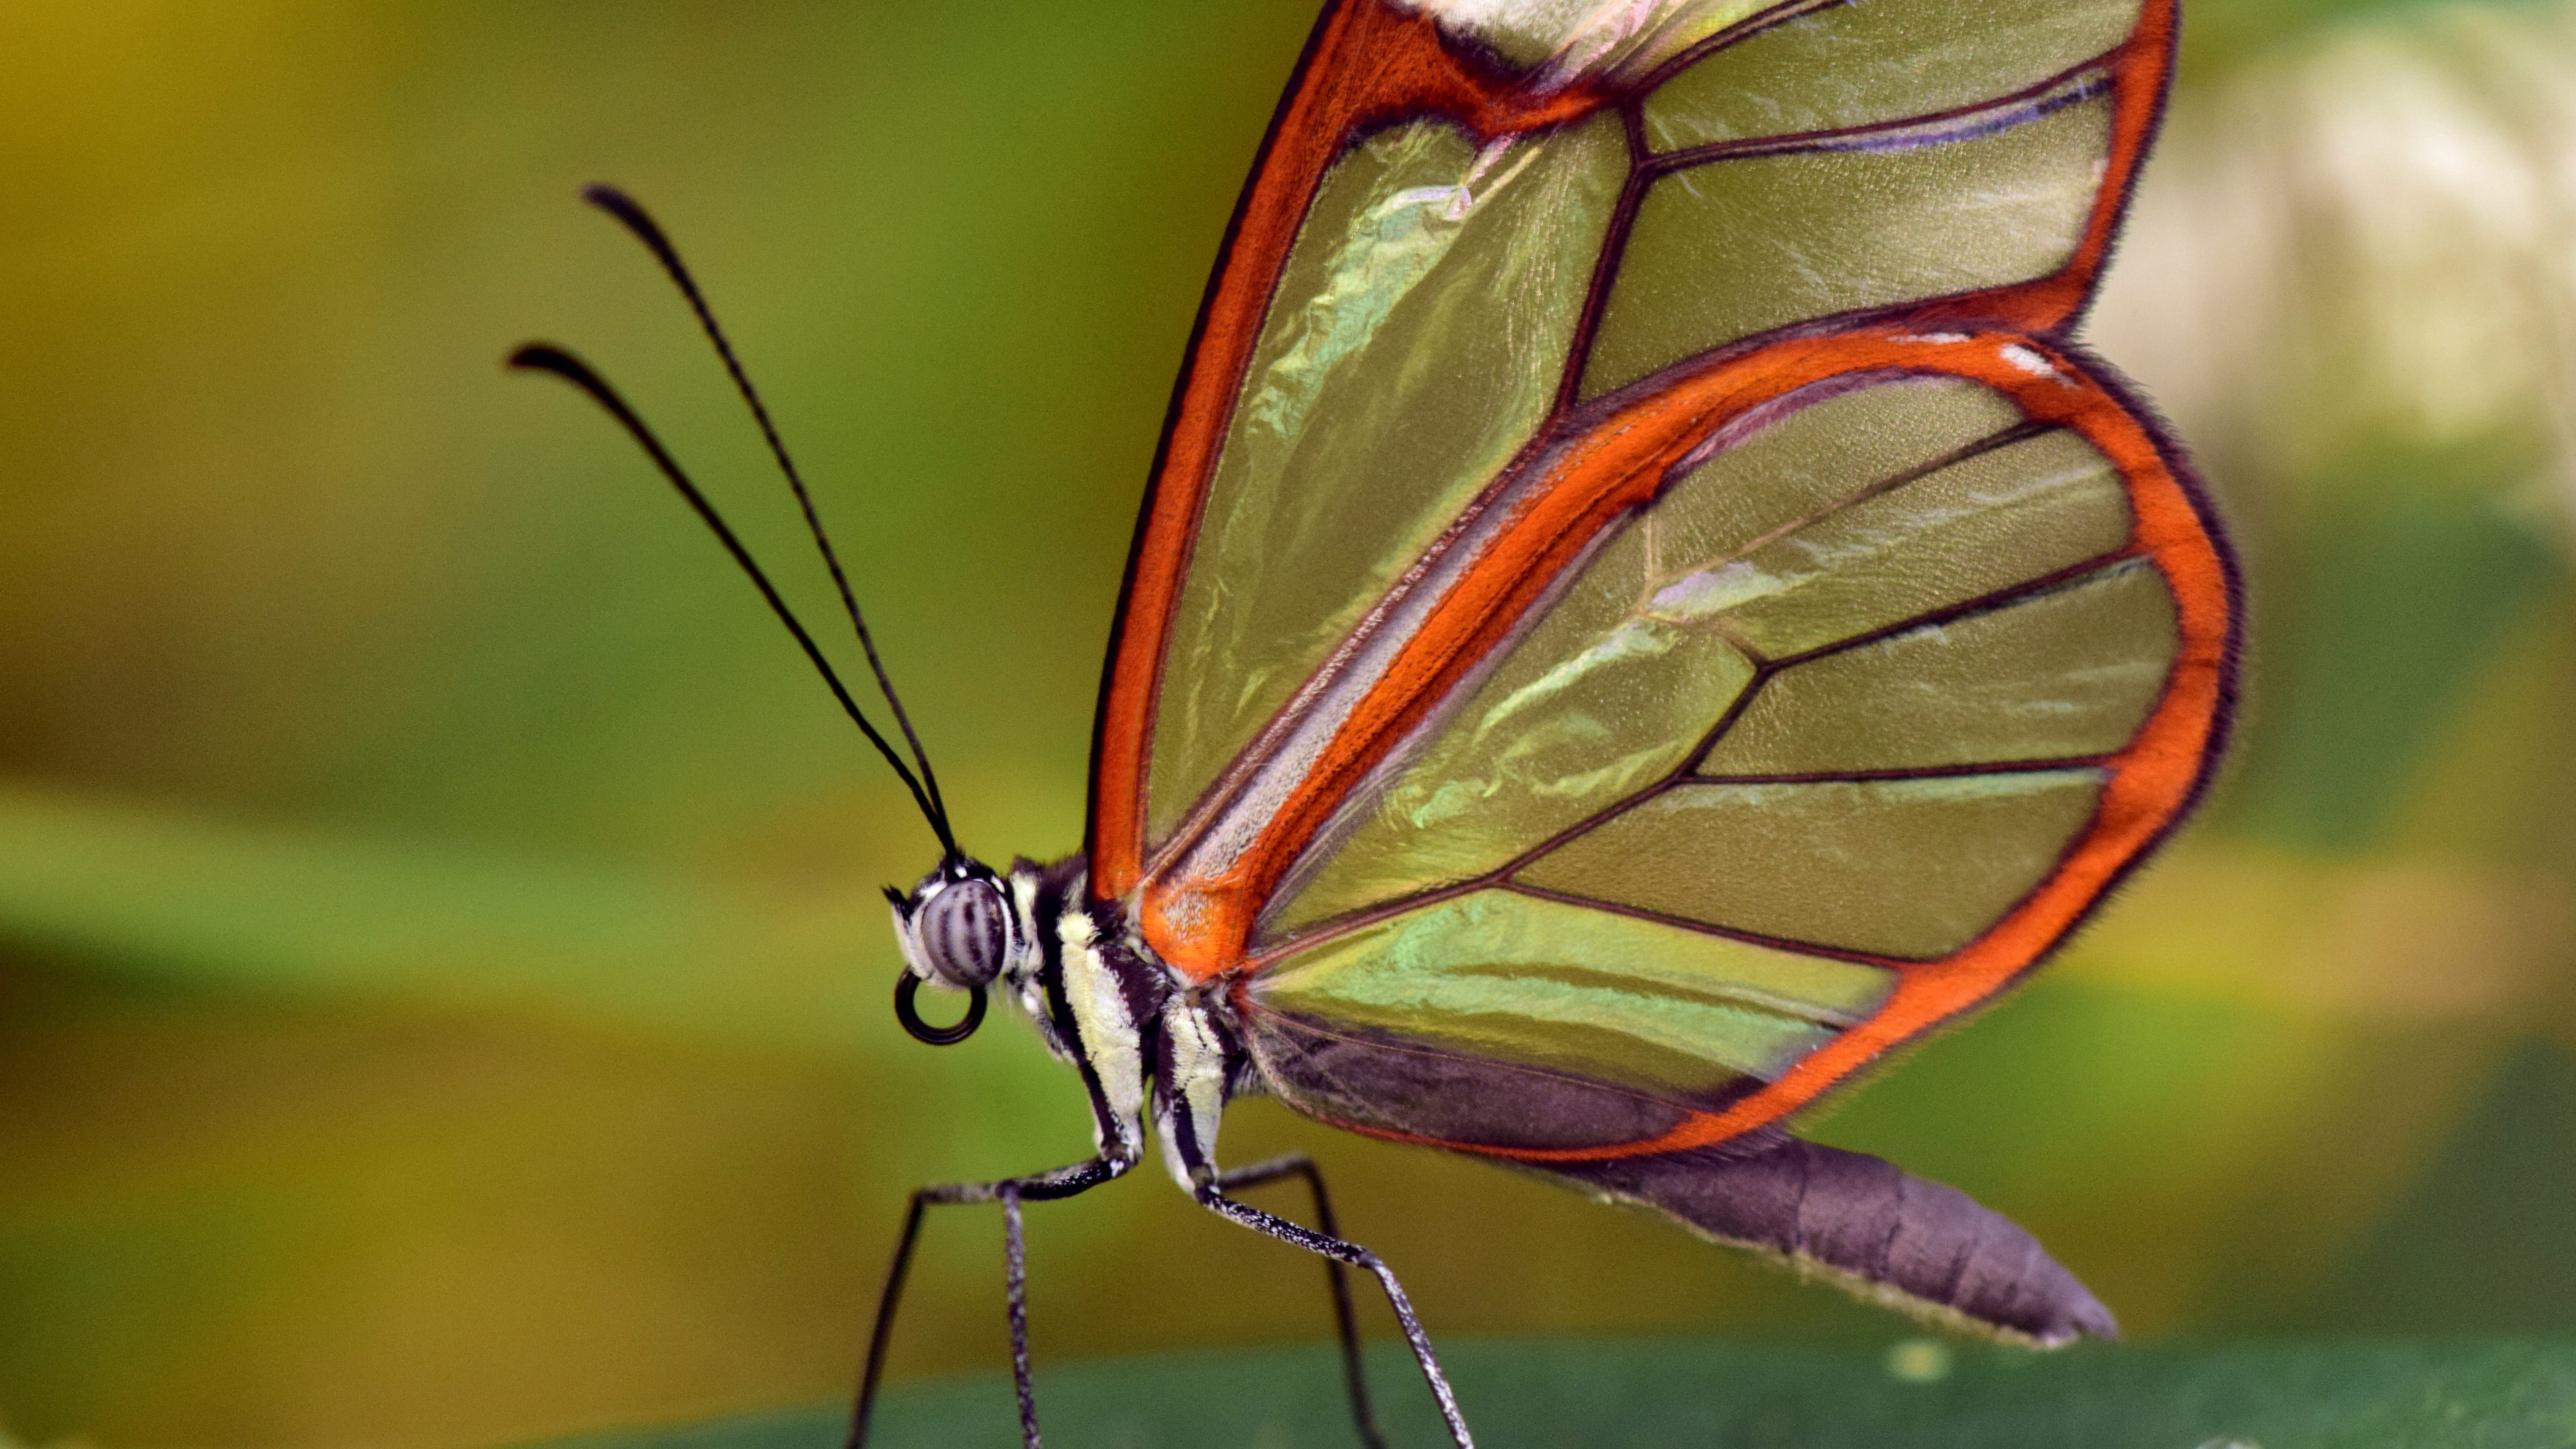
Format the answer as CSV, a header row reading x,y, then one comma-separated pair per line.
x,y
1011,1192
1213,1198
1261,1174
1015,1272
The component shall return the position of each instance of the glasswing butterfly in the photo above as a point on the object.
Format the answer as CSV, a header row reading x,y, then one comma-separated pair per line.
x,y
1641,610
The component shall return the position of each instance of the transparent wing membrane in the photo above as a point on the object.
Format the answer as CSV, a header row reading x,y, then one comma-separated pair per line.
x,y
2000,518
1603,700
1887,505
1913,869
1508,977
1426,316
2064,673
1821,229
1870,63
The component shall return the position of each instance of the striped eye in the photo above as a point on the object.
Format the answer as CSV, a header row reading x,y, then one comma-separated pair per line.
x,y
956,928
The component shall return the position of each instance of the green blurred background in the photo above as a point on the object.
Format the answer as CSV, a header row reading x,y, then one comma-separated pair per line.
x,y
442,979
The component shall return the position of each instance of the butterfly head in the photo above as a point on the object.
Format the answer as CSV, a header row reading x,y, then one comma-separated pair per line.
x,y
957,929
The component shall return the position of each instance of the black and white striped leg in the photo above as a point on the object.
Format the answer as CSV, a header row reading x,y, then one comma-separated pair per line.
x,y
1010,1192
1015,1270
1338,1273
1211,1197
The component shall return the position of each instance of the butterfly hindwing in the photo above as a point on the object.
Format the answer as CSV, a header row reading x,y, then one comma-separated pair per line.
x,y
1895,745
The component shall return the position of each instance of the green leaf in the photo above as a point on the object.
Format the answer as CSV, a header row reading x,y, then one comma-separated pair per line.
x,y
2490,1394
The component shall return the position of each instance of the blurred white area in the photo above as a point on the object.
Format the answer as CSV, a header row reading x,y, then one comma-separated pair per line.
x,y
2370,236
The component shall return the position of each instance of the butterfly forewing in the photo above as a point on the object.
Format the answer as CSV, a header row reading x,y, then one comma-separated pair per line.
x,y
1425,317
1446,286
1815,231
1840,66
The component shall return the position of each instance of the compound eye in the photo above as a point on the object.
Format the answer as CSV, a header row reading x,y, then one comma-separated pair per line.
x,y
964,932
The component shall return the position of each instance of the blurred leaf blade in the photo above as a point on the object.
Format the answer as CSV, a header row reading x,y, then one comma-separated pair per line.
x,y
1579,1395
184,902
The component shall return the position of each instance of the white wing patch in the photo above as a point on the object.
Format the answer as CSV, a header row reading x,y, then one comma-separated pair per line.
x,y
1568,40
2028,361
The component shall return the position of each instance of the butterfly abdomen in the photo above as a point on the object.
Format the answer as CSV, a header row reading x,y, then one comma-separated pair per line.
x,y
1868,1227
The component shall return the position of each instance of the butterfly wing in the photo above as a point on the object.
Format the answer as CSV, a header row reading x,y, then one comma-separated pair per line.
x,y
1842,733
1641,610
1275,507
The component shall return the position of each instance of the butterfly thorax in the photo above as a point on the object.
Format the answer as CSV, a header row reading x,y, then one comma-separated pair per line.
x,y
1141,1036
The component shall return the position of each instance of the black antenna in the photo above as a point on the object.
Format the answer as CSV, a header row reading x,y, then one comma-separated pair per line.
x,y
632,215
546,357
